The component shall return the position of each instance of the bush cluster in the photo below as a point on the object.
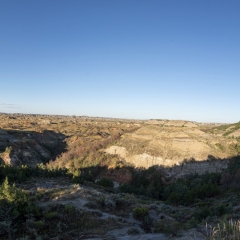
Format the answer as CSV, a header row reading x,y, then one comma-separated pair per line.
x,y
181,192
189,190
22,173
145,182
105,182
140,212
15,204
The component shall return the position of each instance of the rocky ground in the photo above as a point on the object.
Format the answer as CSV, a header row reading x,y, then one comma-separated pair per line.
x,y
116,211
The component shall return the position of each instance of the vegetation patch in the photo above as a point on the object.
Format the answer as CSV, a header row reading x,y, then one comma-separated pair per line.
x,y
140,213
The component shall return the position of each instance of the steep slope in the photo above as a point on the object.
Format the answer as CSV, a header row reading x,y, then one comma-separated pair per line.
x,y
30,148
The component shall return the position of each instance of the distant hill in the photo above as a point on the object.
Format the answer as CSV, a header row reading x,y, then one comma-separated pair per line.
x,y
75,142
230,130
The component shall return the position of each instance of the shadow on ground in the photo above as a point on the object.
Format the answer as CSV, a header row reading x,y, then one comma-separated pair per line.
x,y
29,147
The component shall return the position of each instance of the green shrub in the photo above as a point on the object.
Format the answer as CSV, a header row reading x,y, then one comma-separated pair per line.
x,y
39,224
203,213
140,212
192,223
188,191
13,199
145,182
209,211
49,215
220,146
69,208
105,182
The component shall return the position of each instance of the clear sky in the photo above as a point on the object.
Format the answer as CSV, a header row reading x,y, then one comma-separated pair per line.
x,y
143,59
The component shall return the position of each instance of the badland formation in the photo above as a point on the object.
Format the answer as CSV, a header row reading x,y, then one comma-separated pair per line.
x,y
79,177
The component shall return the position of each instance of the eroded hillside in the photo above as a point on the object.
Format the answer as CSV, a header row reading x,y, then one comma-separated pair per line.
x,y
170,143
67,141
82,141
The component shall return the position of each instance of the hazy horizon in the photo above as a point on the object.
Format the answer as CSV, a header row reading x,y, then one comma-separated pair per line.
x,y
109,117
121,59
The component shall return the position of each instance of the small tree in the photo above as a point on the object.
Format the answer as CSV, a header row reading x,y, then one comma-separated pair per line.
x,y
14,205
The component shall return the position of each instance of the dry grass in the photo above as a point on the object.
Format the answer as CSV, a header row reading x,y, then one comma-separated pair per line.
x,y
42,138
225,231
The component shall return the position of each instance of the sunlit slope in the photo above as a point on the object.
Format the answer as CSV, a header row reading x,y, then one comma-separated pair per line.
x,y
171,142
229,130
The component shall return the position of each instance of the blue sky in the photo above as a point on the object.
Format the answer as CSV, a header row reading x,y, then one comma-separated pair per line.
x,y
165,59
